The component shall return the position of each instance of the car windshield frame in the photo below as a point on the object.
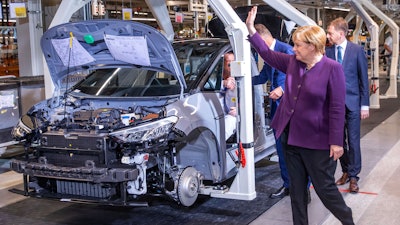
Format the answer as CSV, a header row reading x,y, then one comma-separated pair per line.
x,y
195,57
128,82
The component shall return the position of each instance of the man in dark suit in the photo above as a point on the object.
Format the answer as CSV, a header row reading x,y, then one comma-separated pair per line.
x,y
355,66
277,80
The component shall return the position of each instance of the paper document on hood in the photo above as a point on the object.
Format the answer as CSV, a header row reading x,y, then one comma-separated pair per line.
x,y
6,100
130,49
71,56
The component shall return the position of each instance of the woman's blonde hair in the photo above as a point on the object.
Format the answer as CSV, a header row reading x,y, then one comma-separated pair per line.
x,y
311,34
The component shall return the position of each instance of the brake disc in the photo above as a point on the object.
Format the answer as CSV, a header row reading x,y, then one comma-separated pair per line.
x,y
188,186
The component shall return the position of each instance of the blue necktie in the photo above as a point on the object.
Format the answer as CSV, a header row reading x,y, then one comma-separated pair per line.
x,y
339,54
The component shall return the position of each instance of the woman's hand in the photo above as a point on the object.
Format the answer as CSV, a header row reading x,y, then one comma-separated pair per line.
x,y
336,152
251,16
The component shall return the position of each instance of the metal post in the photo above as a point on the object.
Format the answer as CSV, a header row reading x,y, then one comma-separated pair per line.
x,y
392,90
243,186
64,13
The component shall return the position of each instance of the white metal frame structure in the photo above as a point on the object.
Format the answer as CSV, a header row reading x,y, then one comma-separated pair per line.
x,y
243,186
373,29
290,12
394,29
159,10
63,15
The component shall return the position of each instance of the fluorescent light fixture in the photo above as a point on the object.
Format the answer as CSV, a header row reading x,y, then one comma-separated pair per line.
x,y
341,9
143,19
336,8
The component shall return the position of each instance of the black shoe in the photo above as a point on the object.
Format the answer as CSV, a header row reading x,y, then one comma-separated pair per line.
x,y
282,192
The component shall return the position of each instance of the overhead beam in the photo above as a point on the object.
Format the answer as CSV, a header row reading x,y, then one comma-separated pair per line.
x,y
160,12
172,3
290,12
65,11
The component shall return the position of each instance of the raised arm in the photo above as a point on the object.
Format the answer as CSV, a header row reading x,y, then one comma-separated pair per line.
x,y
251,16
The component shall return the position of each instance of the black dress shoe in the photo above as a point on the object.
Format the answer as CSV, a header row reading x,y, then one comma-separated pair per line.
x,y
282,192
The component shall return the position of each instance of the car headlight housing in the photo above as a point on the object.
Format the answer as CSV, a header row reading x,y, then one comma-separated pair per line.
x,y
146,132
24,127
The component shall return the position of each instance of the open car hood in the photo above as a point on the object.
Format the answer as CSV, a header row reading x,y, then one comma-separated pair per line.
x,y
85,45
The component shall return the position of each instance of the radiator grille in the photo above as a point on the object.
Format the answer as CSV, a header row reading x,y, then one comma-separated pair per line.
x,y
84,189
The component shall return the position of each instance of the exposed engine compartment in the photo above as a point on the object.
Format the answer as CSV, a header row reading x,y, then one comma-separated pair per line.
x,y
91,116
92,150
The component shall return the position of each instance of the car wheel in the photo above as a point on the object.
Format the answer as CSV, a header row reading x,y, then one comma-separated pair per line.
x,y
188,186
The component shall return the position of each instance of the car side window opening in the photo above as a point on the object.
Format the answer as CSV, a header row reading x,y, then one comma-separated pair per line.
x,y
214,80
194,59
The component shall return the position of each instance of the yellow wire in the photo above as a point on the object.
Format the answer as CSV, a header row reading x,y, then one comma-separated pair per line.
x,y
70,39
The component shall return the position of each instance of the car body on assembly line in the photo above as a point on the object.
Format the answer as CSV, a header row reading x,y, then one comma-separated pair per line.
x,y
132,116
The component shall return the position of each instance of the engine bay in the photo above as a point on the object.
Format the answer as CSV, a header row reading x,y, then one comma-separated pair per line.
x,y
100,119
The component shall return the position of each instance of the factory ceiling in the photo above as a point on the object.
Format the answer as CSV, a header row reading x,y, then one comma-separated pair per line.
x,y
328,8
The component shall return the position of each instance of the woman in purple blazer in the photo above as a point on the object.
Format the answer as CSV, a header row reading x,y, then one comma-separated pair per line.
x,y
310,117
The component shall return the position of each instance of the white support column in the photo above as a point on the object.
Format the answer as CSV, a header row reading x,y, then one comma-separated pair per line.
x,y
29,32
392,90
196,26
373,29
36,32
243,186
357,29
64,13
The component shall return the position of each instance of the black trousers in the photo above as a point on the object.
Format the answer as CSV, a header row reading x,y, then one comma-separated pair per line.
x,y
302,164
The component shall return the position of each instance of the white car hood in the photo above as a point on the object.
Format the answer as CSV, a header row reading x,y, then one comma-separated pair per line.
x,y
85,45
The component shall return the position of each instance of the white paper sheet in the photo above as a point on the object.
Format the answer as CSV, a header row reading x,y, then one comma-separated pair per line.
x,y
79,55
6,101
130,49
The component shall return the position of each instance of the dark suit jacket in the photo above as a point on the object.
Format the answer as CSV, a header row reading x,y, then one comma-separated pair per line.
x,y
355,66
276,77
314,100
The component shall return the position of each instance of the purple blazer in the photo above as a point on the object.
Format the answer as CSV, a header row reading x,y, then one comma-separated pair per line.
x,y
313,102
